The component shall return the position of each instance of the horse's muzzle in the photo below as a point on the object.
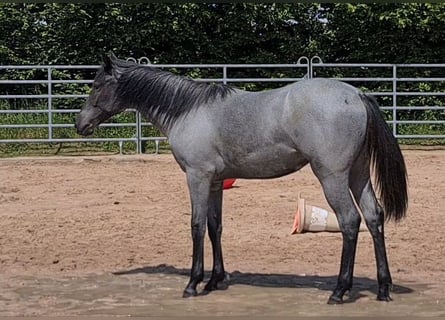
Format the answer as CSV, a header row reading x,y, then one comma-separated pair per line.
x,y
83,128
86,130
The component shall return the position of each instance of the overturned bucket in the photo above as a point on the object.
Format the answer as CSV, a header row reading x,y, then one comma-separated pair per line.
x,y
313,219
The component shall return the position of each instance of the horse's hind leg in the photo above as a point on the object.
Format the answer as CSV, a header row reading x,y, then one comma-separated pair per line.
x,y
214,223
336,189
363,192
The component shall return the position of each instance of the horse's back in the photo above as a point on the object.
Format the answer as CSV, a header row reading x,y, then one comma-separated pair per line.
x,y
323,119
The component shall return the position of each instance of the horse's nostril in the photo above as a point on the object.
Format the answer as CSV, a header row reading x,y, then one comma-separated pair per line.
x,y
85,130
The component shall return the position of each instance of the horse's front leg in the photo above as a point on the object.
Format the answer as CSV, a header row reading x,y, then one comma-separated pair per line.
x,y
199,187
214,222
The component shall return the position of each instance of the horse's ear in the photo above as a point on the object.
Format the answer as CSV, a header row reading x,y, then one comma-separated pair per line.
x,y
108,67
111,65
112,56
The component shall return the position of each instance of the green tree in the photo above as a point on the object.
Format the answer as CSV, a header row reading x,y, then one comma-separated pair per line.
x,y
386,33
222,33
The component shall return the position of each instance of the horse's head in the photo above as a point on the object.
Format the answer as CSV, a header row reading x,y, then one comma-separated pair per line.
x,y
102,102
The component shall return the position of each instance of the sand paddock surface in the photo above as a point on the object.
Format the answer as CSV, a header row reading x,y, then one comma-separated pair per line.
x,y
110,235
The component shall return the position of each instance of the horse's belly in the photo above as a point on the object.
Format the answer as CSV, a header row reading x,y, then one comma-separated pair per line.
x,y
263,164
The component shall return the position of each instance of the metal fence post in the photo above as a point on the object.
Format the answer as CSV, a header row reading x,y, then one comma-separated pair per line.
x,y
308,74
50,105
311,63
394,100
138,132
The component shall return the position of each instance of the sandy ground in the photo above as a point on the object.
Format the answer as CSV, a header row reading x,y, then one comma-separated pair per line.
x,y
84,219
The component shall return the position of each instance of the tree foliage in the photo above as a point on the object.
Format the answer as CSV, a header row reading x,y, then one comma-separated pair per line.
x,y
80,33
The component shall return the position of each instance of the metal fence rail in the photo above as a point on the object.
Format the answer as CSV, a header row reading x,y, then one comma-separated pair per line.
x,y
401,88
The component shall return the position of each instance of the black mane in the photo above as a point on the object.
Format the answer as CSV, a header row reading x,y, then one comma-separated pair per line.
x,y
161,94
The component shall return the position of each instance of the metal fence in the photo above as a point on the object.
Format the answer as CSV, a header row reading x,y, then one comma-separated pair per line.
x,y
412,96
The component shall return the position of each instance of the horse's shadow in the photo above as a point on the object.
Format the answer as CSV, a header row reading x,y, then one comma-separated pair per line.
x,y
326,283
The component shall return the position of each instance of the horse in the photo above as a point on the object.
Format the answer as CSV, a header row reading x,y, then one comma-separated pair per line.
x,y
217,132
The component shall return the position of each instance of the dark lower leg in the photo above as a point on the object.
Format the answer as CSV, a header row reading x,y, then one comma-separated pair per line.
x,y
218,274
214,220
197,272
345,277
376,228
374,217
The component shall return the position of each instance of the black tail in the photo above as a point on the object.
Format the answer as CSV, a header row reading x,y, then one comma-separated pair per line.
x,y
387,162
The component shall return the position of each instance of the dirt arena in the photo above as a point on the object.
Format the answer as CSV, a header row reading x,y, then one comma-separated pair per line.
x,y
110,235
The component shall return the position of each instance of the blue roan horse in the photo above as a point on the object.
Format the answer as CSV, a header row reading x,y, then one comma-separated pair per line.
x,y
218,132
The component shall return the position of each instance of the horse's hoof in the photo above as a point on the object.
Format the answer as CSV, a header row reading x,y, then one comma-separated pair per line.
x,y
189,292
384,298
383,293
221,285
335,300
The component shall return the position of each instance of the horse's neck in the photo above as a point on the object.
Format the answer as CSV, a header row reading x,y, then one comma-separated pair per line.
x,y
157,119
168,98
